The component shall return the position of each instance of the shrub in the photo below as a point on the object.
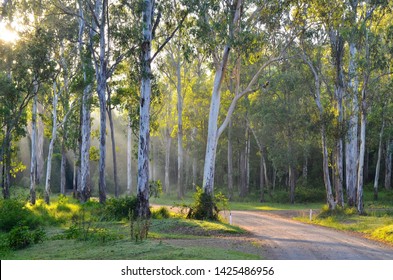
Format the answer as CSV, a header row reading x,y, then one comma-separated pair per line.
x,y
308,194
161,213
155,188
207,207
13,213
119,208
21,237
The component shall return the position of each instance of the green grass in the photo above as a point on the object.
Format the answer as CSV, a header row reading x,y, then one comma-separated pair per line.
x,y
377,225
118,243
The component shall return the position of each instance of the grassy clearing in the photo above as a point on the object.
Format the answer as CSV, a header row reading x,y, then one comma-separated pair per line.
x,y
246,205
111,239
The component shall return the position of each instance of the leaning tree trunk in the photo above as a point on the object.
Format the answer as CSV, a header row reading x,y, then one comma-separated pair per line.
x,y
210,156
325,153
143,210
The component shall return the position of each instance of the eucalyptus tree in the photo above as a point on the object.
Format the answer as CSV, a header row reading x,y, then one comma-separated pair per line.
x,y
230,21
151,14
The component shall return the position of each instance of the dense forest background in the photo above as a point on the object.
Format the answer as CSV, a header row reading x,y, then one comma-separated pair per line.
x,y
256,99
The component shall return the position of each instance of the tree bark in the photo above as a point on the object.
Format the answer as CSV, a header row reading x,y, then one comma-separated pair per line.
x,y
337,44
168,141
83,167
194,158
325,153
352,134
388,165
291,183
63,166
129,157
230,161
243,174
378,165
51,144
33,161
101,74
143,210
360,205
113,142
180,156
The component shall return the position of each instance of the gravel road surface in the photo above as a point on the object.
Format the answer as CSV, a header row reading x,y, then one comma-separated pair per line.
x,y
286,239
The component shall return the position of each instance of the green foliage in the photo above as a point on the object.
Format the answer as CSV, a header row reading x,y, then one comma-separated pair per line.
x,y
337,212
139,227
307,194
82,229
21,237
14,212
119,208
155,188
160,213
207,207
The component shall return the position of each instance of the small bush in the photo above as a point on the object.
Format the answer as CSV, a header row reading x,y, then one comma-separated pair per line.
x,y
119,208
139,228
21,237
207,207
338,211
155,188
308,195
13,213
161,213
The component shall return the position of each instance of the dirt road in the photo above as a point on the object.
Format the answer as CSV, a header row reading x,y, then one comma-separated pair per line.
x,y
286,239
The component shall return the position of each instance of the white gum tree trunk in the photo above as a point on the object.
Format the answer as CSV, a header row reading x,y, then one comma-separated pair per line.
x,y
352,107
325,153
144,133
33,160
180,153
378,165
51,144
129,157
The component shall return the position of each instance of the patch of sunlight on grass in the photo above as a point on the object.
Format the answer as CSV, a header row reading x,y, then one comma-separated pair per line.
x,y
384,233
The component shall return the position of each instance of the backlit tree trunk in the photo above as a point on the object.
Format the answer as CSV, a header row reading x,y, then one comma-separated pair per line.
x,y
51,144
83,168
180,156
33,161
144,133
337,44
325,153
351,144
378,165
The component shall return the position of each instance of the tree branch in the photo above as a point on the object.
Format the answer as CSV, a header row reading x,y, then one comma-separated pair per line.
x,y
169,38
